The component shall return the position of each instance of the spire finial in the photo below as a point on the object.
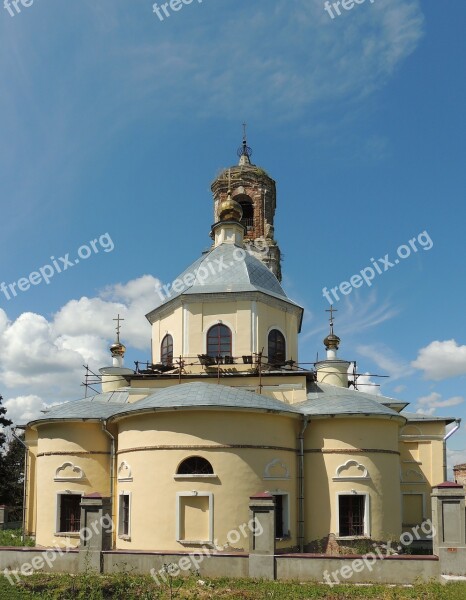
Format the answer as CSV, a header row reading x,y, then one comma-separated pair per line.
x,y
332,341
118,327
244,151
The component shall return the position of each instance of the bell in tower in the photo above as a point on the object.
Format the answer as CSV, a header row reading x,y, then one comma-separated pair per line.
x,y
255,191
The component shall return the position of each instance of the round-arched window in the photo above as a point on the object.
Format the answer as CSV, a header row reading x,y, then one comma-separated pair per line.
x,y
195,465
276,347
166,351
219,341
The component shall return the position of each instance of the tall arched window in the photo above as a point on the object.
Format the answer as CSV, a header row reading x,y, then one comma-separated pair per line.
x,y
219,341
166,351
276,347
195,465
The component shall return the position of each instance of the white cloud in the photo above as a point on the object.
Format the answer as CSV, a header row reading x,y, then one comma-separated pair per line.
x,y
24,408
428,404
41,360
441,360
384,358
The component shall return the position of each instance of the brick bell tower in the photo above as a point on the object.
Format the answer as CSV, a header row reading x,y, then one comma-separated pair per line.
x,y
255,191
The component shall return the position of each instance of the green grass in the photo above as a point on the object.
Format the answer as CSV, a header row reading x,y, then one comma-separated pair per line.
x,y
12,537
128,587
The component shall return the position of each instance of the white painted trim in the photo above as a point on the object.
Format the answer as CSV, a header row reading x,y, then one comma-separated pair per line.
x,y
124,536
185,348
270,465
338,477
253,327
58,510
195,493
194,476
130,473
367,515
80,473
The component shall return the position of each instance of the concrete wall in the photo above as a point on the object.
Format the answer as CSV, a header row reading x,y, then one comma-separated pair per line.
x,y
389,570
46,560
398,570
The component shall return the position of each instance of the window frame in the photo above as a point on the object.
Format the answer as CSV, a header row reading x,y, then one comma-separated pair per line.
x,y
178,475
163,354
121,533
274,360
179,496
366,521
58,513
285,514
218,352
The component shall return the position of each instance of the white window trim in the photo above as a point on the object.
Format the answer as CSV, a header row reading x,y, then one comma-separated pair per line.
x,y
58,513
286,512
349,463
124,536
194,476
423,507
191,494
367,515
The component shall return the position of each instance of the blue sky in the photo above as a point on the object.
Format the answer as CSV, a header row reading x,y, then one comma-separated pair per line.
x,y
113,121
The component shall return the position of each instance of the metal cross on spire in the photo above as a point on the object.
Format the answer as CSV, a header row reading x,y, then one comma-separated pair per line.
x,y
331,310
118,327
244,151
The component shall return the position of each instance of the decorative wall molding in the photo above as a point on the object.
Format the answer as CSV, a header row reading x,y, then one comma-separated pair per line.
x,y
276,470
124,472
69,472
343,475
412,476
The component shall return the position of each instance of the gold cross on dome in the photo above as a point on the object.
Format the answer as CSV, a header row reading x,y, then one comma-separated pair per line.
x,y
118,327
331,310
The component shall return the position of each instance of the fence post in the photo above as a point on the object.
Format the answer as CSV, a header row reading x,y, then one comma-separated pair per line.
x,y
449,528
262,536
3,516
95,532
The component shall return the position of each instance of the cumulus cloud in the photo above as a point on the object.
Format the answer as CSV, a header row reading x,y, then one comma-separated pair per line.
x,y
428,404
384,358
441,360
41,360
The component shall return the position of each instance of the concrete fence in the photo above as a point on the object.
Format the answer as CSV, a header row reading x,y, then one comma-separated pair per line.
x,y
262,561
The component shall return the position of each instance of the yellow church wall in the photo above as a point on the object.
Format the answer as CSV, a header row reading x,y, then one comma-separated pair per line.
x,y
263,457
372,471
172,323
272,386
30,440
86,448
250,322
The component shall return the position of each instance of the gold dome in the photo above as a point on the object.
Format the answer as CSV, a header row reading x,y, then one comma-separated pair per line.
x,y
230,210
332,341
118,349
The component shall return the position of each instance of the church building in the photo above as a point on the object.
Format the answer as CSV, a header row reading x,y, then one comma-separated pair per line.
x,y
224,410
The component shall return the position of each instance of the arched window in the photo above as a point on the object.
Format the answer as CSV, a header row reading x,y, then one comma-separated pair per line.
x,y
219,341
195,465
277,348
166,351
248,211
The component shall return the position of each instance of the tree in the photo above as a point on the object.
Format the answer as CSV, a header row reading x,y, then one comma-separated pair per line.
x,y
4,422
12,474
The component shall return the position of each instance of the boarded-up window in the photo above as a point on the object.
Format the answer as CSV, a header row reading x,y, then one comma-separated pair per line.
x,y
412,509
194,518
